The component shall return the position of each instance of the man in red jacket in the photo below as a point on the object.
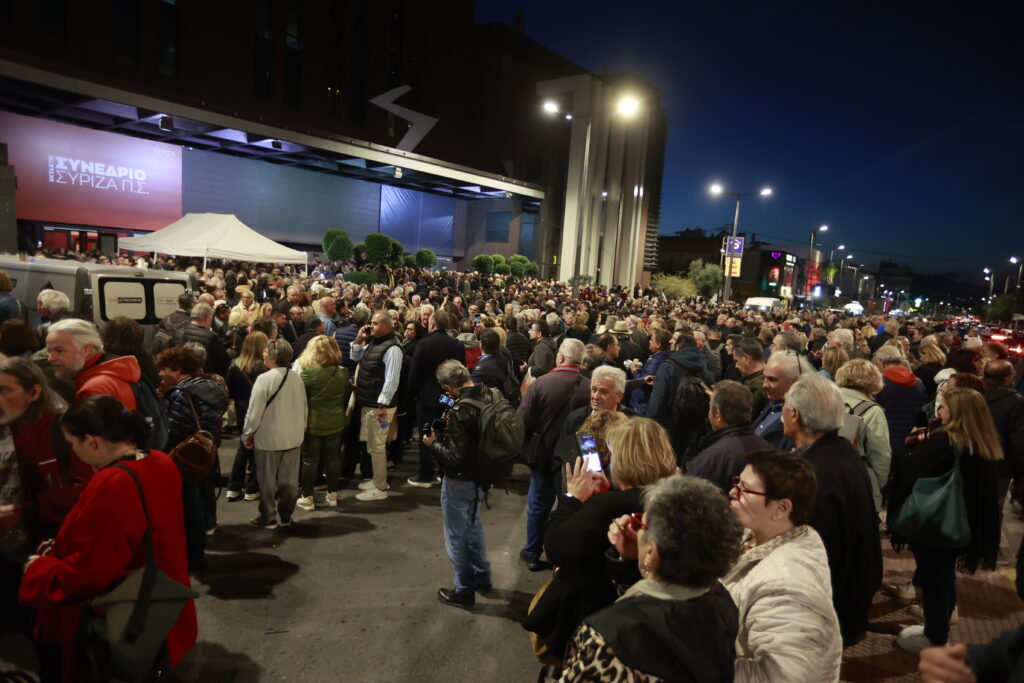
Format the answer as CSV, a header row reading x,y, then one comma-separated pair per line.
x,y
76,353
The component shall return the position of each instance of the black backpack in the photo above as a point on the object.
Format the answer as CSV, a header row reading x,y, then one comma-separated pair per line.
x,y
502,433
152,408
164,339
690,402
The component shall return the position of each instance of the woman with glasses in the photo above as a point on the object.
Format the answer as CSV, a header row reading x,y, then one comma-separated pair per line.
x,y
788,628
577,533
678,622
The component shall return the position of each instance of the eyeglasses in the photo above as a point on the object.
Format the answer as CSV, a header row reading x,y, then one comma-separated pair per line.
x,y
736,484
636,521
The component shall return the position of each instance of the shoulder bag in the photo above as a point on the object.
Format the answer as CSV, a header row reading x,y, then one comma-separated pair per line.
x,y
935,513
127,641
195,455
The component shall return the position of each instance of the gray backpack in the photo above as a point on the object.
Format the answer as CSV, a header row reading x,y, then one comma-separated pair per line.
x,y
853,423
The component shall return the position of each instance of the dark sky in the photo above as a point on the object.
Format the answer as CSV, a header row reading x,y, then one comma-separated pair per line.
x,y
898,124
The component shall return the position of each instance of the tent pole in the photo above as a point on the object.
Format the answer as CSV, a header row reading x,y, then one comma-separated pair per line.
x,y
305,265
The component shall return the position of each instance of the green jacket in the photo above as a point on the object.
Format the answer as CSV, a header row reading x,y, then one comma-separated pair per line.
x,y
327,391
873,442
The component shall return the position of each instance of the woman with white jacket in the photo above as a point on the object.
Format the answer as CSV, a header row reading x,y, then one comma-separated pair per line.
x,y
788,628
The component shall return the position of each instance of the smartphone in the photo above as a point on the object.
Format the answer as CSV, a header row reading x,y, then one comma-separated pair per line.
x,y
588,449
447,401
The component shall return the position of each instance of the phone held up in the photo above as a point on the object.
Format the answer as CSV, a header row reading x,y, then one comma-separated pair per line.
x,y
588,449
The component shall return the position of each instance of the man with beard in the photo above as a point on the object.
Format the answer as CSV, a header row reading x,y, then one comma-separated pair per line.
x,y
76,354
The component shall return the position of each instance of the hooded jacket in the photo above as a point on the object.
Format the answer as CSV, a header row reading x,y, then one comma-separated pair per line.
x,y
106,375
902,397
668,376
1007,409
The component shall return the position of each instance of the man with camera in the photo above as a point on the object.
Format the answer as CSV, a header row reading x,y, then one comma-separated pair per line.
x,y
455,439
380,356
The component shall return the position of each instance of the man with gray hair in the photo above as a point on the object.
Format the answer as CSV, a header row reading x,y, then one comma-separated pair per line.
x,y
889,331
843,338
720,453
200,331
544,409
52,306
844,511
76,354
780,372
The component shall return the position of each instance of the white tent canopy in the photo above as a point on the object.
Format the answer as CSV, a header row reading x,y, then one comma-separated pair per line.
x,y
213,235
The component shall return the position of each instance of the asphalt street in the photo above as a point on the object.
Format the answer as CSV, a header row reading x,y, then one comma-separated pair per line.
x,y
349,594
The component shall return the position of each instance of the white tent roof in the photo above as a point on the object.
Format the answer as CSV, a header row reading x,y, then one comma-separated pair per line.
x,y
213,235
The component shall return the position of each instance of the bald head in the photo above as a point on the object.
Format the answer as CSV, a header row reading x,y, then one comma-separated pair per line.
x,y
999,372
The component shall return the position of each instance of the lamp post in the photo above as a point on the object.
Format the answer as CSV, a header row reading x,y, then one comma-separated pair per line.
x,y
716,189
1014,260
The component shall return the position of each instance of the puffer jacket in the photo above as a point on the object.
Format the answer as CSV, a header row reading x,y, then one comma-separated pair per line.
x,y
327,391
210,401
788,626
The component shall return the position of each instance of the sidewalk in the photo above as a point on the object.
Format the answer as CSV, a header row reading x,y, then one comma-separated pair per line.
x,y
987,603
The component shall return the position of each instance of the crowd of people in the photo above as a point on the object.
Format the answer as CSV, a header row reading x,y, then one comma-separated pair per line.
x,y
711,486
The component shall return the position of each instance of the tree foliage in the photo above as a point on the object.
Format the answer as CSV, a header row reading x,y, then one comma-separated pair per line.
x,y
674,286
502,269
410,261
378,248
517,268
337,245
580,280
706,277
483,264
531,269
518,258
425,258
361,277
498,258
1003,306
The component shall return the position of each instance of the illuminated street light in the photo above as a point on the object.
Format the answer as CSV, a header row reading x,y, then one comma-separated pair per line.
x,y
550,107
1013,259
628,106
841,247
717,189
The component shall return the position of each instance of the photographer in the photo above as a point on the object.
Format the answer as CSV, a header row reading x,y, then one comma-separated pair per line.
x,y
454,438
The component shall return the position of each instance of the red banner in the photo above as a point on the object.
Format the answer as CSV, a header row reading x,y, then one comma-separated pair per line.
x,y
70,174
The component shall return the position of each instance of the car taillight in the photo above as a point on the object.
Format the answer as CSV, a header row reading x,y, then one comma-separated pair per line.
x,y
1017,350
998,337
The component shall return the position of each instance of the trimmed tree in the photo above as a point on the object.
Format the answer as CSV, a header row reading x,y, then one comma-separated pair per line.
x,y
396,256
483,264
707,277
378,248
531,269
410,261
498,258
518,258
337,245
425,258
502,269
517,268
361,277
359,254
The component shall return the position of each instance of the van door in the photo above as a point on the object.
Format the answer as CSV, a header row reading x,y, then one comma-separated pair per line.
x,y
141,298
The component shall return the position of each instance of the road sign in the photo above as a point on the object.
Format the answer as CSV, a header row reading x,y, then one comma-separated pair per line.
x,y
734,246
734,263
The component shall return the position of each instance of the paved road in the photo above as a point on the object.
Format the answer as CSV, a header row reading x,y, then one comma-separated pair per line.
x,y
349,593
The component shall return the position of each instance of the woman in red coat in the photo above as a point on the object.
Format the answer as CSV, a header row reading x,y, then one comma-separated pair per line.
x,y
100,541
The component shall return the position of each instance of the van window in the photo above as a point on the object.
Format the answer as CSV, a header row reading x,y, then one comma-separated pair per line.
x,y
165,298
123,298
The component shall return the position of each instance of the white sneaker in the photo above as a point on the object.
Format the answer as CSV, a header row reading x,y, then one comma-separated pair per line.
x,y
918,611
372,493
905,592
332,499
306,503
367,484
913,640
252,496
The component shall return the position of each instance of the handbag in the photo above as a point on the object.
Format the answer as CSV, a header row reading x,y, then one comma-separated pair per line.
x,y
935,512
126,642
195,455
540,620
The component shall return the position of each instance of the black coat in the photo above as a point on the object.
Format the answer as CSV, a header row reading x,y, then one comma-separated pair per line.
x,y
457,450
519,345
431,351
720,454
1007,409
845,518
576,541
492,370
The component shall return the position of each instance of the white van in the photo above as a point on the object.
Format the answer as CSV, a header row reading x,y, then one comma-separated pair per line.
x,y
761,303
98,292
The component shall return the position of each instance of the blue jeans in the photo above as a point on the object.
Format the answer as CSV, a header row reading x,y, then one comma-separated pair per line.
x,y
464,534
538,507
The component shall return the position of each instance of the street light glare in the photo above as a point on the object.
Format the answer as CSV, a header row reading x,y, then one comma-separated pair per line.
x,y
628,106
849,256
550,107
766,192
986,271
841,247
823,228
715,189
1013,259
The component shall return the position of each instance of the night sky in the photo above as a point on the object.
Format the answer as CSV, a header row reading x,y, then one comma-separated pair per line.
x,y
898,124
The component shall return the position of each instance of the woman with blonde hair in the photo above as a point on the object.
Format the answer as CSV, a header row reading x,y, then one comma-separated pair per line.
x,y
966,440
327,390
832,359
577,533
241,375
859,381
932,361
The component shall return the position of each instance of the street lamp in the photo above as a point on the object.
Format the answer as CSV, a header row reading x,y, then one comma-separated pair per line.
x,y
1013,260
628,106
716,189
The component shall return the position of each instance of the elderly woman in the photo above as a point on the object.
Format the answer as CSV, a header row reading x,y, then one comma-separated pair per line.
x,y
859,380
678,617
967,439
844,514
832,359
576,537
327,390
788,629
